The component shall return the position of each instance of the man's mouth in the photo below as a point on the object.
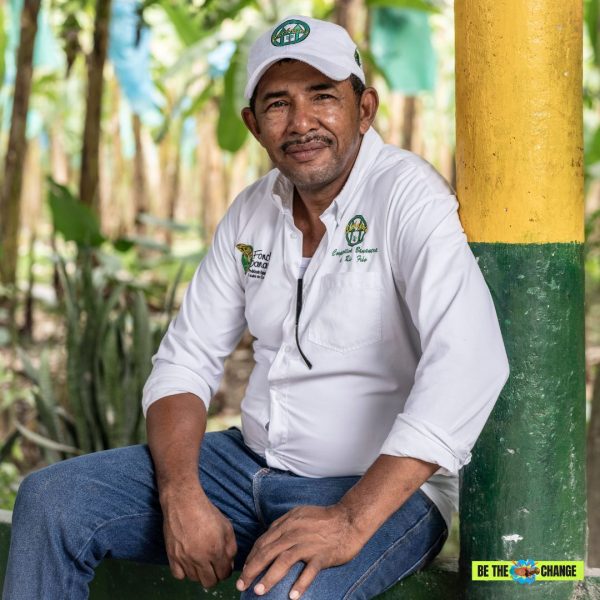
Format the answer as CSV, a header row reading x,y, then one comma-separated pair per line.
x,y
305,149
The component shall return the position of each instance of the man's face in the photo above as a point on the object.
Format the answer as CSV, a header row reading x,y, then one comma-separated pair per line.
x,y
310,125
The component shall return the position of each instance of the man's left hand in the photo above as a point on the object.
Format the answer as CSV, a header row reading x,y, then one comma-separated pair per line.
x,y
321,536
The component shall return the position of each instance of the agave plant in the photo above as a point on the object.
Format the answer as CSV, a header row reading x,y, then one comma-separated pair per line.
x,y
110,339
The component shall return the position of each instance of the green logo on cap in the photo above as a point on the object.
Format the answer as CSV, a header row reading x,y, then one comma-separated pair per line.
x,y
290,32
357,57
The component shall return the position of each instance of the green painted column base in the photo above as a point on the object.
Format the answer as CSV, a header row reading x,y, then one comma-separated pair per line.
x,y
523,493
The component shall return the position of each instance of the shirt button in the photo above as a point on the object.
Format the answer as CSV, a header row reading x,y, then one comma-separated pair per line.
x,y
293,236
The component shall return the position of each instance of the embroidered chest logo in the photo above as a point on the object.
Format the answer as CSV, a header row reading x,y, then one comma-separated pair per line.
x,y
355,230
254,262
290,32
354,233
247,252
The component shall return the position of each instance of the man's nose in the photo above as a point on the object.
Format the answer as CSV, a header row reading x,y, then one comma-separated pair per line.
x,y
302,118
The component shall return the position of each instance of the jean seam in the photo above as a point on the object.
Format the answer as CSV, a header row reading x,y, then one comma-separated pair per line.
x,y
109,522
375,565
255,483
423,559
76,558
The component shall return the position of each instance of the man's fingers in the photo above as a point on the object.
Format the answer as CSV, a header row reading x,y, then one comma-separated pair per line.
x,y
205,574
310,571
258,563
176,569
222,567
277,571
261,548
231,545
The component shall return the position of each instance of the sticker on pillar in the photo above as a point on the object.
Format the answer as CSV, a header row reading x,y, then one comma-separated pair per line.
x,y
527,571
524,571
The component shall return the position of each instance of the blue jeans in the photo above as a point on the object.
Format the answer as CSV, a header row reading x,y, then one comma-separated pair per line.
x,y
72,514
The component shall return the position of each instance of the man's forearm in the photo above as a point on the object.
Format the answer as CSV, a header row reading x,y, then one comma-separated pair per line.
x,y
175,426
199,539
382,490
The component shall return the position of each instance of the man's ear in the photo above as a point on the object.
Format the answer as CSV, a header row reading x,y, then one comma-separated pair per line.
x,y
369,103
249,119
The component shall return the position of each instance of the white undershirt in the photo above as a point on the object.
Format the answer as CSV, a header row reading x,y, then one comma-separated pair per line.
x,y
303,266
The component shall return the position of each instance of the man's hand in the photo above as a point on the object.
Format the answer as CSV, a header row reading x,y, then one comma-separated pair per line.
x,y
199,539
320,536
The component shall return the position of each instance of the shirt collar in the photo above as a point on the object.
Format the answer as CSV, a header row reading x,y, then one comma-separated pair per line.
x,y
371,145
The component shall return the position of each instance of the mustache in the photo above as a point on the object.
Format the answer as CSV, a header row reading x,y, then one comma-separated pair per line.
x,y
306,140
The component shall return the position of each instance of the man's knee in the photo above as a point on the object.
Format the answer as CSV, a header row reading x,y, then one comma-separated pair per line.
x,y
45,494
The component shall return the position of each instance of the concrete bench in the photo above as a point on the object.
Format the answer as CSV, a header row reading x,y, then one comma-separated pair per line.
x,y
123,579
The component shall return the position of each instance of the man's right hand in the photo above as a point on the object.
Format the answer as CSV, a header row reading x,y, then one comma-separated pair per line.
x,y
199,539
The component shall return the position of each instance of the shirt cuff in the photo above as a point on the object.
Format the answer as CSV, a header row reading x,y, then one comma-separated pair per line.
x,y
415,438
173,379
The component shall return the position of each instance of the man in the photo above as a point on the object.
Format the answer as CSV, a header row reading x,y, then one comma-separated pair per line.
x,y
378,360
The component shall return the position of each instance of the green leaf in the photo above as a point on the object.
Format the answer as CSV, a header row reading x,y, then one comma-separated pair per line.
x,y
181,20
71,218
123,245
45,442
592,16
424,5
592,149
3,43
369,59
154,221
323,9
148,243
231,131
200,100
30,371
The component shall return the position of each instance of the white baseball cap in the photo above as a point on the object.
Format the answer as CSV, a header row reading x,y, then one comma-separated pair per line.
x,y
325,46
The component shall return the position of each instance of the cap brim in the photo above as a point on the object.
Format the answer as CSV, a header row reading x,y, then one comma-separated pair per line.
x,y
328,68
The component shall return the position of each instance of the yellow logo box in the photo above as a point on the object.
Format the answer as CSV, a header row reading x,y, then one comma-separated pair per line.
x,y
527,571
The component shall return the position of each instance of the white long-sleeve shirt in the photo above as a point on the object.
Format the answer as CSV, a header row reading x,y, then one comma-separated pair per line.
x,y
396,320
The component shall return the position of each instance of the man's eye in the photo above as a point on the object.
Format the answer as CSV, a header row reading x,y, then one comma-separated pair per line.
x,y
324,97
277,104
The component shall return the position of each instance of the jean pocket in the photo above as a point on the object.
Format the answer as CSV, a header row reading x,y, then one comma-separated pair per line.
x,y
349,313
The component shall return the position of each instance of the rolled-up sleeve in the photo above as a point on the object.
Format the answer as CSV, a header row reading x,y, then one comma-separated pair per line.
x,y
463,365
206,329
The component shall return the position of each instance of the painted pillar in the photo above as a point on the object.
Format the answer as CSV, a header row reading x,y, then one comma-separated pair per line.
x,y
520,187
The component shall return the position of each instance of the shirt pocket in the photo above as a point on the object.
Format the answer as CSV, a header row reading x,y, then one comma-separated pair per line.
x,y
348,314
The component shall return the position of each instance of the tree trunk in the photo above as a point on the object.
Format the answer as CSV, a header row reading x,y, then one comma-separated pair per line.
x,y
174,180
140,189
593,475
213,176
10,194
409,123
59,161
88,186
347,13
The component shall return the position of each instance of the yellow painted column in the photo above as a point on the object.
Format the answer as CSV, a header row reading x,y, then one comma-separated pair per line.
x,y
519,149
520,188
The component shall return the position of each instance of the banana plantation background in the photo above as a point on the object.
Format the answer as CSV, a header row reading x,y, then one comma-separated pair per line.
x,y
121,147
